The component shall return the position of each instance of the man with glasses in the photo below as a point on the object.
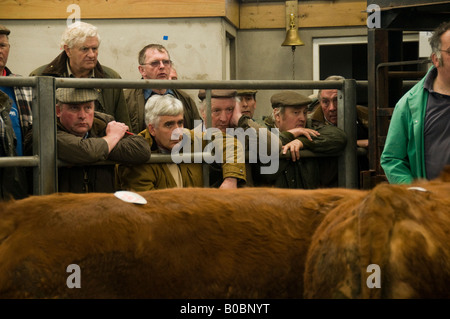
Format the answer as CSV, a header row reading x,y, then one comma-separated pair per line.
x,y
418,141
81,42
155,64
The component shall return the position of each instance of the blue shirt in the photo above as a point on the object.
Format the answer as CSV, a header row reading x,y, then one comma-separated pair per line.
x,y
149,92
15,117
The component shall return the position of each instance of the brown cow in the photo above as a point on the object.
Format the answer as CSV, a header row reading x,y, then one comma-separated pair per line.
x,y
402,230
184,243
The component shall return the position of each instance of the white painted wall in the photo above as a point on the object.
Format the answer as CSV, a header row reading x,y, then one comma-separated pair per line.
x,y
195,44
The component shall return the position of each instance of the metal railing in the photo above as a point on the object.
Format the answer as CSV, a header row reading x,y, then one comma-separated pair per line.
x,y
44,159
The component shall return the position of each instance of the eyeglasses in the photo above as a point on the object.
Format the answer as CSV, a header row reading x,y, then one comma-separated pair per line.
x,y
447,51
155,64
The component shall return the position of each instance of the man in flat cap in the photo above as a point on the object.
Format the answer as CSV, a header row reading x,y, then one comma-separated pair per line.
x,y
15,122
87,137
298,133
155,64
81,42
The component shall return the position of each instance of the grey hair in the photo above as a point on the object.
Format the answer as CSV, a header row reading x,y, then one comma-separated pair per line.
x,y
77,33
435,39
331,78
161,105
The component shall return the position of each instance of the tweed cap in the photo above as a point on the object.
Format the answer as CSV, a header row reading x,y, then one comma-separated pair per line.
x,y
4,30
289,98
217,94
246,92
74,95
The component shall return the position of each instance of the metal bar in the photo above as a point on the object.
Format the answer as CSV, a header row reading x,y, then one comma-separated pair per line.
x,y
18,81
183,84
347,162
44,137
19,161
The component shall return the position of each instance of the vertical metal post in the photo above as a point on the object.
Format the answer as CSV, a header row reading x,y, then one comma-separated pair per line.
x,y
44,137
208,124
347,162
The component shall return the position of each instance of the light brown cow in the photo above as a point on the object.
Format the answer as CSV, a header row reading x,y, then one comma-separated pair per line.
x,y
184,243
404,231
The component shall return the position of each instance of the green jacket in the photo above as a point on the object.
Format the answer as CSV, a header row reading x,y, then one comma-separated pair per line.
x,y
81,178
306,172
13,180
136,107
110,101
151,176
403,156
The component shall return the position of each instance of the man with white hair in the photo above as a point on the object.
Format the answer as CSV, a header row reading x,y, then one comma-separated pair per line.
x,y
81,42
164,117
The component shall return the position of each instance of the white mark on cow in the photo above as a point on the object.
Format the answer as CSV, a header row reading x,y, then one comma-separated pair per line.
x,y
374,280
420,189
74,280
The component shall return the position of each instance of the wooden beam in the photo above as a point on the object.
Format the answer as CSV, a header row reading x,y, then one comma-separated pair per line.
x,y
271,15
112,9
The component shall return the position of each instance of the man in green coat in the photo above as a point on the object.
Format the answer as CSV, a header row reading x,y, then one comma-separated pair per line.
x,y
418,141
81,42
165,134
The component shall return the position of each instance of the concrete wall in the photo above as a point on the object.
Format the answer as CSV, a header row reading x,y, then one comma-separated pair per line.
x,y
197,47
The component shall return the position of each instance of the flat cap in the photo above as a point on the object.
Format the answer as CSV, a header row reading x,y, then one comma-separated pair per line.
x,y
217,94
4,30
289,98
74,95
246,92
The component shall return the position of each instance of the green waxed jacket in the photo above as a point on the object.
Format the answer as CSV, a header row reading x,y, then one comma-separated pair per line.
x,y
403,157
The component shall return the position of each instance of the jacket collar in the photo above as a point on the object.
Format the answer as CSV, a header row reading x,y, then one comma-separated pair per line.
x,y
58,67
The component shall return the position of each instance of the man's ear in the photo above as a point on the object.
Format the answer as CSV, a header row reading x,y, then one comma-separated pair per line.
x,y
435,60
66,48
58,110
151,129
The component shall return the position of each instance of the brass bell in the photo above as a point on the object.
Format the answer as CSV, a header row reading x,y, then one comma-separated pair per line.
x,y
292,38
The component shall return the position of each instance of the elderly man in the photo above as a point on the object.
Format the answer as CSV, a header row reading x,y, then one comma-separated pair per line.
x,y
155,64
223,103
20,97
15,123
164,133
81,42
86,137
297,133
